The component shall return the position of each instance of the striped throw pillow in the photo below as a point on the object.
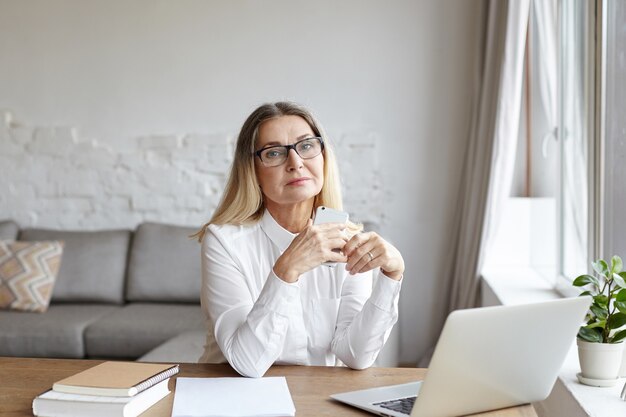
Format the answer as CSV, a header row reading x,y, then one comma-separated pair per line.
x,y
27,274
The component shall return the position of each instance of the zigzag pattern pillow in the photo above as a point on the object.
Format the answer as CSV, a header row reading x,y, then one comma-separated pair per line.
x,y
27,274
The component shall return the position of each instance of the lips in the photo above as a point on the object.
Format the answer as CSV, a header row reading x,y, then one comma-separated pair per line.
x,y
298,181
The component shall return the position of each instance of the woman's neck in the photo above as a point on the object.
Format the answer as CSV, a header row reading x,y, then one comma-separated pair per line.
x,y
292,217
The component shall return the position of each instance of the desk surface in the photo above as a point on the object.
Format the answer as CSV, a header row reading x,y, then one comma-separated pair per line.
x,y
22,379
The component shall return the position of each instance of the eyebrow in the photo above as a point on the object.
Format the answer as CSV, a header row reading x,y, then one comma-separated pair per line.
x,y
275,143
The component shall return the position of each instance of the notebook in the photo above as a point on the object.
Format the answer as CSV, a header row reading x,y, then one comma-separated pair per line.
x,y
486,358
120,379
60,404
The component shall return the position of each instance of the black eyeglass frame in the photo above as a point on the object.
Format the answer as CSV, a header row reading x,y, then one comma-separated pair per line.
x,y
290,147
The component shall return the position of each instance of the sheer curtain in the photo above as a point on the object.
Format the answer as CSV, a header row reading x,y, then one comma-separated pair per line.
x,y
489,162
574,140
545,16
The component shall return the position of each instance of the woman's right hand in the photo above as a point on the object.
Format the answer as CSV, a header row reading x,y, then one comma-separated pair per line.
x,y
312,247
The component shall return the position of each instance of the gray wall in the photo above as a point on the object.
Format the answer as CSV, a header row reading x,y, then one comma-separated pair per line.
x,y
102,76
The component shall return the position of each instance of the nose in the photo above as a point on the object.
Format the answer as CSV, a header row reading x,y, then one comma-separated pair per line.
x,y
294,161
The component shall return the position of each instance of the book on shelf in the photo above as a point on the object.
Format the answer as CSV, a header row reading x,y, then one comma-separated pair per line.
x,y
116,379
60,404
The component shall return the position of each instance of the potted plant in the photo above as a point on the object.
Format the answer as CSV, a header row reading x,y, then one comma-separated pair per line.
x,y
600,343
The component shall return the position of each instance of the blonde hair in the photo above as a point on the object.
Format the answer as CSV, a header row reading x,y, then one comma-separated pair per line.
x,y
242,201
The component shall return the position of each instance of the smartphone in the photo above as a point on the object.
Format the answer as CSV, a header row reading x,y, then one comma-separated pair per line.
x,y
329,215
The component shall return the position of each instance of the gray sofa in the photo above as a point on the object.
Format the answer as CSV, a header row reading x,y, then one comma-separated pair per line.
x,y
120,294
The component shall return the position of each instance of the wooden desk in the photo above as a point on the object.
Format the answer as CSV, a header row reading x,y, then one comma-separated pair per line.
x,y
22,379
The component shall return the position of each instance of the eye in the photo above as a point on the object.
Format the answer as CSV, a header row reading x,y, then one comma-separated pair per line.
x,y
307,145
273,153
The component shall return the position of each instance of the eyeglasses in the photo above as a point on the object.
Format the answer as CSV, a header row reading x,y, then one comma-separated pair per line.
x,y
308,148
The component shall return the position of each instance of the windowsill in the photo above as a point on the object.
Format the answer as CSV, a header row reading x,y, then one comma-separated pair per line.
x,y
569,397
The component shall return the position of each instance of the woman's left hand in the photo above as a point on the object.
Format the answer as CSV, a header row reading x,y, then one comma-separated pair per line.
x,y
366,251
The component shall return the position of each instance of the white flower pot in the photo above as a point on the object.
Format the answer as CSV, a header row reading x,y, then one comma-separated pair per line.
x,y
600,360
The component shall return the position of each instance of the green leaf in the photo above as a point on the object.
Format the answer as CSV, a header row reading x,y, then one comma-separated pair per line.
x,y
590,335
600,267
619,336
584,293
616,264
597,267
617,320
619,280
621,295
604,266
584,280
601,300
600,312
621,306
596,324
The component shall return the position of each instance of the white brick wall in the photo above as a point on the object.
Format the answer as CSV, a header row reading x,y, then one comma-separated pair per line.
x,y
52,177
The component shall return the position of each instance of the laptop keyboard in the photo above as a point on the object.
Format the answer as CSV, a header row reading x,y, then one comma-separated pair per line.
x,y
401,405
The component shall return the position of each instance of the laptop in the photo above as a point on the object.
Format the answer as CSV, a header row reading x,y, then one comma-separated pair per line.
x,y
486,359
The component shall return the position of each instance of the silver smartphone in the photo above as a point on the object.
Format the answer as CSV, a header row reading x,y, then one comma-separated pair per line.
x,y
329,215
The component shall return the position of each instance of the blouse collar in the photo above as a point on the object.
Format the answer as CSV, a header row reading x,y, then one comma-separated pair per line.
x,y
278,235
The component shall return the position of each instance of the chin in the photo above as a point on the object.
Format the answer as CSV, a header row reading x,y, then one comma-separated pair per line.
x,y
299,197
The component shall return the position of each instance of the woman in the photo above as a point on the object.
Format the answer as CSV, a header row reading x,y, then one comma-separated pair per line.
x,y
266,296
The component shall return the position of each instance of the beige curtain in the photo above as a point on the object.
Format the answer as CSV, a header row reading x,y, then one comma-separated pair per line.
x,y
490,155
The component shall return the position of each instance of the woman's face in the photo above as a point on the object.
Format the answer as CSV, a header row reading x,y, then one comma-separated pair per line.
x,y
296,180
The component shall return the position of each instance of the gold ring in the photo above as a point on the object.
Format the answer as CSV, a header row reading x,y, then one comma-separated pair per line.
x,y
371,257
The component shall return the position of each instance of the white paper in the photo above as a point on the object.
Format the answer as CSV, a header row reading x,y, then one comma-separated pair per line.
x,y
230,397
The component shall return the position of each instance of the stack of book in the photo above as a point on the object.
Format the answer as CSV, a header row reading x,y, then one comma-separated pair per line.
x,y
110,389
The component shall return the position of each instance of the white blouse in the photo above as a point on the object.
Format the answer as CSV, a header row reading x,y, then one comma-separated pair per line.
x,y
255,319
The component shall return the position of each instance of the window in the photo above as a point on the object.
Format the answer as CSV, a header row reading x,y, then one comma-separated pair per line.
x,y
577,133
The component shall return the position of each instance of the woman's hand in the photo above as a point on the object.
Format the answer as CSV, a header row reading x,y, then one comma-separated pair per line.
x,y
312,247
366,251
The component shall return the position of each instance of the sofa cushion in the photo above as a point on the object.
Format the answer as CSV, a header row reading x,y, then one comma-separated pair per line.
x,y
164,264
93,266
186,347
137,328
27,274
58,333
8,230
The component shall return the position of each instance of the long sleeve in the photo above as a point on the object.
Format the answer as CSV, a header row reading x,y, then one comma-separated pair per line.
x,y
249,333
254,319
364,326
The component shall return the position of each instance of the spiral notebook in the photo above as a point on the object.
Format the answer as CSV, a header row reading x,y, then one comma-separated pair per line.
x,y
57,404
116,379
